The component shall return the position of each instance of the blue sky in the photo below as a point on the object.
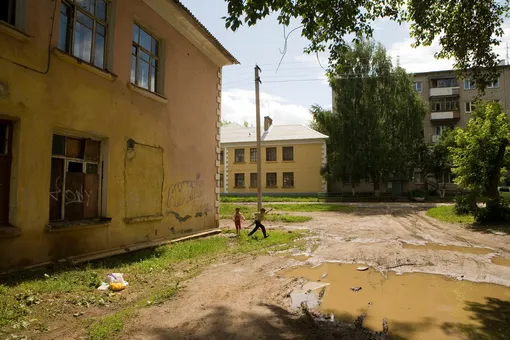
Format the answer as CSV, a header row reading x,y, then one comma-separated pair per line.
x,y
300,82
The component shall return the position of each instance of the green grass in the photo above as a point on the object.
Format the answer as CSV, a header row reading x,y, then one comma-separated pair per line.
x,y
227,210
251,199
25,296
447,214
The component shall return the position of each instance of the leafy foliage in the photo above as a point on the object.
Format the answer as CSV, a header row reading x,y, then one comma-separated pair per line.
x,y
377,125
465,204
467,29
480,155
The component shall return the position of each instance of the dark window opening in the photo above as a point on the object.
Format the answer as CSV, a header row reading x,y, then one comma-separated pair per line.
x,y
8,11
288,153
271,155
271,180
5,169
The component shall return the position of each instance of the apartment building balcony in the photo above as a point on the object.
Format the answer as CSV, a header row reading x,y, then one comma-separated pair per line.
x,y
444,116
444,91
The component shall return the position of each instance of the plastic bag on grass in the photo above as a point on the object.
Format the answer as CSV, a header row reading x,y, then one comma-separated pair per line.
x,y
114,281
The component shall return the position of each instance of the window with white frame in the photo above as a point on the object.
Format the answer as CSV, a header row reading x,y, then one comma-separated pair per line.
x,y
83,30
144,59
469,84
13,13
417,86
493,84
470,107
440,129
75,186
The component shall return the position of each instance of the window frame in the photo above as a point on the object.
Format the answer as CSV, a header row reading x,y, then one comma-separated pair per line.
x,y
222,157
152,56
275,149
469,84
471,107
222,181
252,180
268,185
236,154
66,160
236,175
18,14
287,148
494,84
416,85
253,152
292,179
71,31
8,155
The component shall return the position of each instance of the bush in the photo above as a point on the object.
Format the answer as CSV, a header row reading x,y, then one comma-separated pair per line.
x,y
496,210
418,193
465,204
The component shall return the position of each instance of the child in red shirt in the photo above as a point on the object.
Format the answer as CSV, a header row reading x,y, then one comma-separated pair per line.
x,y
237,217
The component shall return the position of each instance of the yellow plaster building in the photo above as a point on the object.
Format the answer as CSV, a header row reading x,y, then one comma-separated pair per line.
x,y
292,158
109,127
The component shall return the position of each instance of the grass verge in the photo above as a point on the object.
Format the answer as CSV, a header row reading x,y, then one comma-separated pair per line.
x,y
227,210
55,295
447,214
251,199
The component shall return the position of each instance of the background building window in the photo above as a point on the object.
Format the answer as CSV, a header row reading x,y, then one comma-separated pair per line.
x,y
271,155
470,107
253,180
239,155
253,155
75,183
222,183
144,59
493,84
239,180
417,86
83,27
288,179
222,157
271,180
469,84
288,153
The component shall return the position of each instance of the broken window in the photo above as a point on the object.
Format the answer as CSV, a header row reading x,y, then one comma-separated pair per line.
x,y
75,182
5,169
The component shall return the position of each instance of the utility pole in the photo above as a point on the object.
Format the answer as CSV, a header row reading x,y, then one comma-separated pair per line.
x,y
259,154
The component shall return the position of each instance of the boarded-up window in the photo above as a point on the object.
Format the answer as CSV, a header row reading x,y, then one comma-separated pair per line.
x,y
5,169
75,183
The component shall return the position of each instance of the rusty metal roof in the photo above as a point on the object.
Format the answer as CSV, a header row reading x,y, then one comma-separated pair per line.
x,y
208,34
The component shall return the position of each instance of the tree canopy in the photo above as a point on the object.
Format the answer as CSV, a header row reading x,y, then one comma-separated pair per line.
x,y
481,154
377,122
467,29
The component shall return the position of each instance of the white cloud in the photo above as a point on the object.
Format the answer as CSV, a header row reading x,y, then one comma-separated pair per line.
x,y
238,105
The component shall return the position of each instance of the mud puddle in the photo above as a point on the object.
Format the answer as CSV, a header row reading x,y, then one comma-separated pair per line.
x,y
459,249
302,258
416,305
501,261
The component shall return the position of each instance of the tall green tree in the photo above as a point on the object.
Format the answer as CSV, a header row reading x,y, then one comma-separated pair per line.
x,y
467,29
481,154
377,124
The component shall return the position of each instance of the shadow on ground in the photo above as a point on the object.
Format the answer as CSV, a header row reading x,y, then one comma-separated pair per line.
x,y
490,228
274,323
493,318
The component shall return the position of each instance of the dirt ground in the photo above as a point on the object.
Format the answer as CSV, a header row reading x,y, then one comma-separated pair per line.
x,y
249,299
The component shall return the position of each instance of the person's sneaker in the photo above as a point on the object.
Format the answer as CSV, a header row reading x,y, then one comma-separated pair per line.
x,y
267,235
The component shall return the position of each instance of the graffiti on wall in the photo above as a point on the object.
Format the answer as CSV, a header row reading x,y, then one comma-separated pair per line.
x,y
71,196
186,199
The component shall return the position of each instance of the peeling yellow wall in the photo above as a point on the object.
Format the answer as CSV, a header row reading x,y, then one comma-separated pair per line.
x,y
306,166
180,137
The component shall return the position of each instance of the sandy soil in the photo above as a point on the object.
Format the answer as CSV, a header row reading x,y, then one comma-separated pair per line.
x,y
249,300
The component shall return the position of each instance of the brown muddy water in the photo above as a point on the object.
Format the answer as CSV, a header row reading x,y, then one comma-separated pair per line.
x,y
416,305
501,261
459,249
